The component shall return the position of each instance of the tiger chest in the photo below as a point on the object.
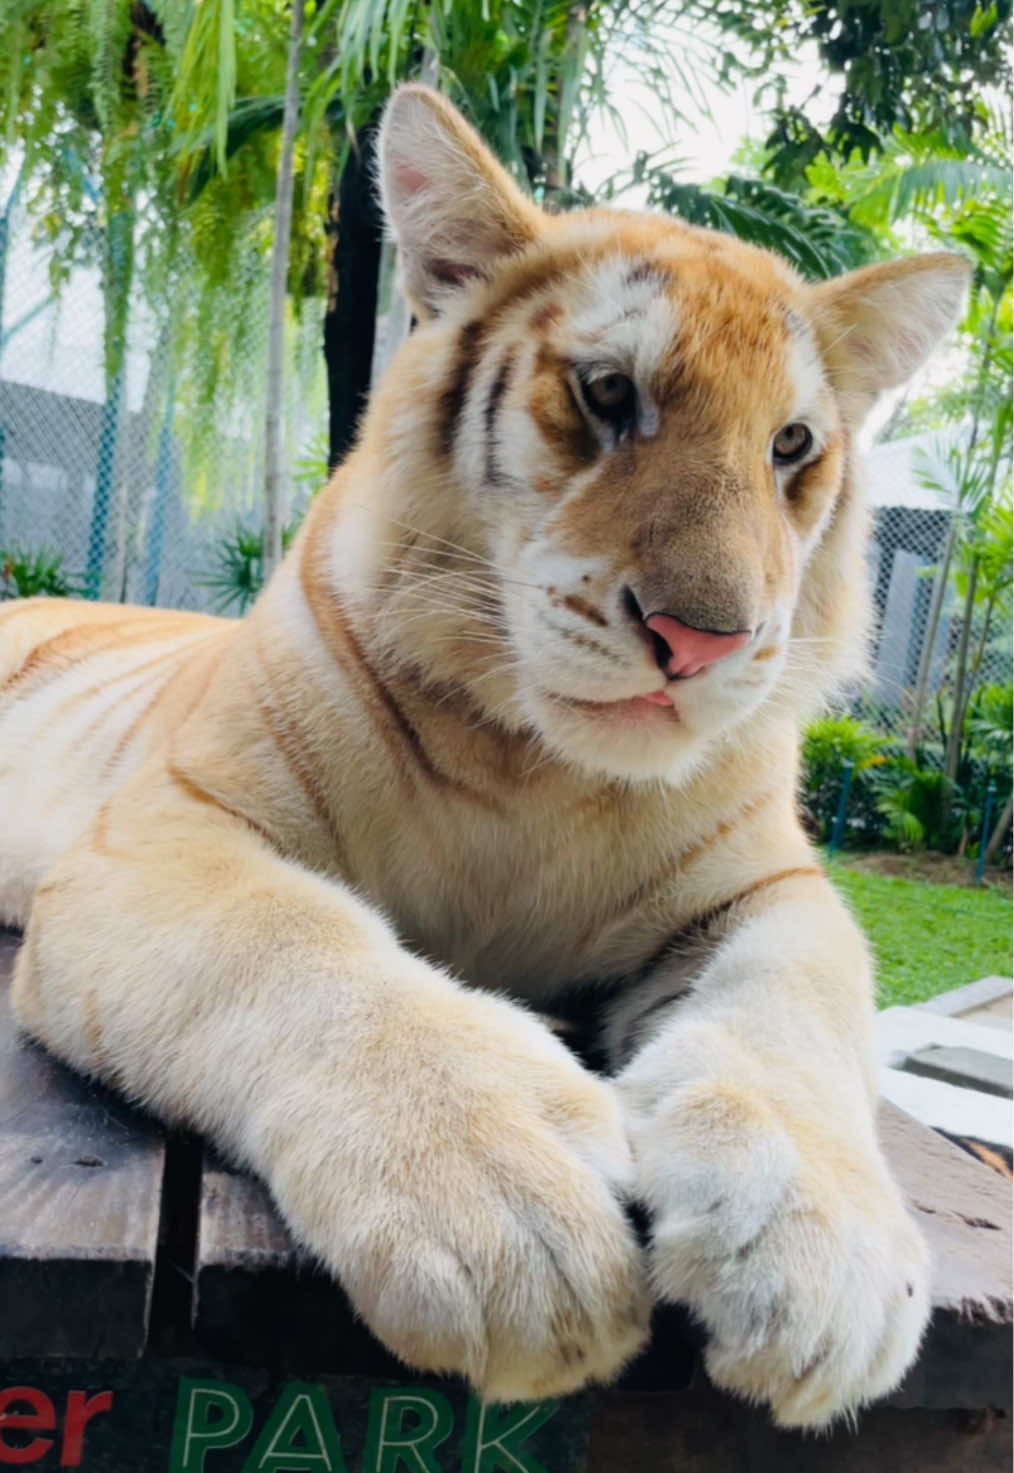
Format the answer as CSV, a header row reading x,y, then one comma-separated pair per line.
x,y
529,907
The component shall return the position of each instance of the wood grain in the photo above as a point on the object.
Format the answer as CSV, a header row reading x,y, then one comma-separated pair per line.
x,y
965,1211
80,1189
259,1299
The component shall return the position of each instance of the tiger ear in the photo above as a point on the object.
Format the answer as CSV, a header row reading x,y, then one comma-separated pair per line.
x,y
878,325
452,209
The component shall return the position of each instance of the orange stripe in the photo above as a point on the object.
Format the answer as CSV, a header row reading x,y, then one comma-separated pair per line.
x,y
800,871
81,696
198,794
585,610
54,656
292,753
132,730
93,1028
724,829
588,642
179,653
695,931
401,737
648,890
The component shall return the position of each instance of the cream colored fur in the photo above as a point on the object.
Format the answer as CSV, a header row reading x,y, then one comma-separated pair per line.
x,y
278,877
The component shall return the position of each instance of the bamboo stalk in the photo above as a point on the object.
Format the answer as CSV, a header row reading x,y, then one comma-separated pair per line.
x,y
953,753
930,637
274,470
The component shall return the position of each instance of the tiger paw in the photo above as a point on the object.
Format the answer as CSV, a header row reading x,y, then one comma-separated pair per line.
x,y
808,1275
475,1214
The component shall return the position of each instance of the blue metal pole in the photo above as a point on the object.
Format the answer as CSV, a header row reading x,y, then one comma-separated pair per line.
x,y
103,488
848,768
980,863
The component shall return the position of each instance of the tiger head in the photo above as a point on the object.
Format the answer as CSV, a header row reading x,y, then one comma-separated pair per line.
x,y
612,472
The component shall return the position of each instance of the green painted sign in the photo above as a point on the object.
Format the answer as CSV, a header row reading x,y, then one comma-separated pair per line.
x,y
176,1417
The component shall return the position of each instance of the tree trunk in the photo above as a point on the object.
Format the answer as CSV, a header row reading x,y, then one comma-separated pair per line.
x,y
1000,831
274,469
953,756
350,320
930,636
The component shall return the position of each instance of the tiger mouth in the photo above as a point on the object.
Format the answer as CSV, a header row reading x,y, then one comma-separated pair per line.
x,y
637,707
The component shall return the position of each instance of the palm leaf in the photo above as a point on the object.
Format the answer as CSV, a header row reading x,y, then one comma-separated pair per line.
x,y
819,241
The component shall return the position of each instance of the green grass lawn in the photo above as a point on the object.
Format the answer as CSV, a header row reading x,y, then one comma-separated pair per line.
x,y
928,938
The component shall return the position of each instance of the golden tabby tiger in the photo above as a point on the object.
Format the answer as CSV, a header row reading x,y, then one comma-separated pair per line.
x,y
518,712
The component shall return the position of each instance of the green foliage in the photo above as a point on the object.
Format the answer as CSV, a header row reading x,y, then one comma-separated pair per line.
x,y
818,239
901,802
827,745
236,575
990,727
918,806
28,574
311,469
920,65
150,136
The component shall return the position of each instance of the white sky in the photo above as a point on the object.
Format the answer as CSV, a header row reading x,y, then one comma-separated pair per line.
x,y
707,144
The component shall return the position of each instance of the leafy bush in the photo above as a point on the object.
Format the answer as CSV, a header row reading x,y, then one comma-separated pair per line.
x,y
989,726
900,802
827,745
27,574
920,805
237,574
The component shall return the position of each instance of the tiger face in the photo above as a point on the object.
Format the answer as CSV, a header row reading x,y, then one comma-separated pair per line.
x,y
639,436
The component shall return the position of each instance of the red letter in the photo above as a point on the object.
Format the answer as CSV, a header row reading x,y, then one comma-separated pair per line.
x,y
42,1418
79,1413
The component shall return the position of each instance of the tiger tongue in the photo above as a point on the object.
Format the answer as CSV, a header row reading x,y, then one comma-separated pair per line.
x,y
655,698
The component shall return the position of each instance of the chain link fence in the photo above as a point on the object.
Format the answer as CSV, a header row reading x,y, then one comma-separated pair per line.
x,y
100,478
99,481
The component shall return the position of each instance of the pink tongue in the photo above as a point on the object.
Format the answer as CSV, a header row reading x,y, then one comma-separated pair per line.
x,y
657,698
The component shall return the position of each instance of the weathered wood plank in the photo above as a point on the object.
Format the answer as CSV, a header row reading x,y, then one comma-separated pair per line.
x,y
80,1188
964,1209
259,1300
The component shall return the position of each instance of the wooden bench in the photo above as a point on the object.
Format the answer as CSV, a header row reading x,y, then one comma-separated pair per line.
x,y
154,1315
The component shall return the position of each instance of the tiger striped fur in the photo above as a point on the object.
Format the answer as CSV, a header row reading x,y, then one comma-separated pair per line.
x,y
301,880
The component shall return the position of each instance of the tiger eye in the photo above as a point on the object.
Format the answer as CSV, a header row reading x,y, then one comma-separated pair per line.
x,y
791,444
610,392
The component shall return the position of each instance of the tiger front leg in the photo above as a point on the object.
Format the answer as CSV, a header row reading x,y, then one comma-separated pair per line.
x,y
774,1216
437,1149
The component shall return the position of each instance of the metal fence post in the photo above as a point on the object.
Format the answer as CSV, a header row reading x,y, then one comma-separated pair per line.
x,y
108,443
980,863
848,768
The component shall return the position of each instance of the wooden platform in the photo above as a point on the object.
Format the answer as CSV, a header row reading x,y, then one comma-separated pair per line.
x,y
138,1270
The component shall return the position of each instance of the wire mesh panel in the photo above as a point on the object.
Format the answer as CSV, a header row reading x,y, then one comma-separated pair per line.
x,y
101,477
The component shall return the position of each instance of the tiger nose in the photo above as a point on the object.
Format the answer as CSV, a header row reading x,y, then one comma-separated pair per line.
x,y
681,650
